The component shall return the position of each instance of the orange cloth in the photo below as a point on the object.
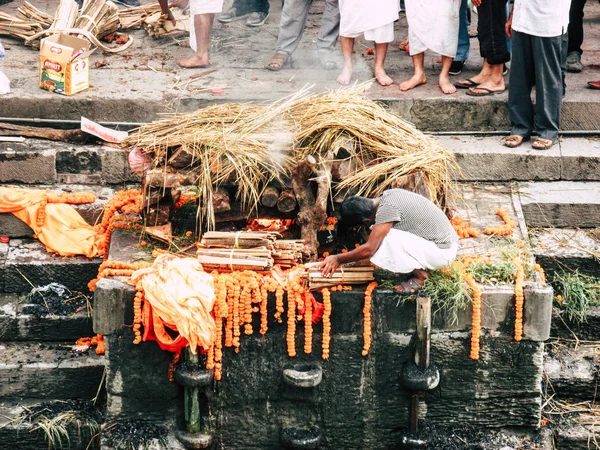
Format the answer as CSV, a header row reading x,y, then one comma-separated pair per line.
x,y
64,231
182,297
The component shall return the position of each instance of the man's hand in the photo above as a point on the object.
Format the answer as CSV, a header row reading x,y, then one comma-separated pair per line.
x,y
329,266
509,26
166,12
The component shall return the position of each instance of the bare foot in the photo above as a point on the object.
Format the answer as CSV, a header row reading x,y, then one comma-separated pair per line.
x,y
193,61
179,4
446,86
415,81
346,75
382,77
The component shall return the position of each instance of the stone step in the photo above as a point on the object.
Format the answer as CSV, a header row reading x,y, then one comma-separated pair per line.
x,y
17,326
92,213
561,204
572,372
25,263
566,249
50,371
578,432
19,434
487,159
46,162
587,331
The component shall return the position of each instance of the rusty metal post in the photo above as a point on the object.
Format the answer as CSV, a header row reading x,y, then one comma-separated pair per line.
x,y
421,354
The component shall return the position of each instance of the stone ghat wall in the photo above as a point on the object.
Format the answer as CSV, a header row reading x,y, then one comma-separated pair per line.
x,y
360,402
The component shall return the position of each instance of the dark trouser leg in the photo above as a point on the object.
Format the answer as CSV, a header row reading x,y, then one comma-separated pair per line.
x,y
522,76
291,26
575,29
330,27
548,55
250,6
491,32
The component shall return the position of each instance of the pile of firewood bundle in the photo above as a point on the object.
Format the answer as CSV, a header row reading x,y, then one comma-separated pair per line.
x,y
356,274
134,17
288,252
18,28
158,27
242,250
98,17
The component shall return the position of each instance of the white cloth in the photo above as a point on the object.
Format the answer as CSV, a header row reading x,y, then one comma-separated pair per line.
x,y
433,25
202,7
403,252
380,35
358,16
542,18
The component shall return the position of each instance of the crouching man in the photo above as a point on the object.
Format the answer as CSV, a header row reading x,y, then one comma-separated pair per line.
x,y
409,234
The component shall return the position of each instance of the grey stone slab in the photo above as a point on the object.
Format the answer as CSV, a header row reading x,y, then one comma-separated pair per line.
x,y
48,371
560,249
22,163
488,159
28,263
580,159
572,372
561,204
562,327
111,298
20,327
115,168
579,433
13,227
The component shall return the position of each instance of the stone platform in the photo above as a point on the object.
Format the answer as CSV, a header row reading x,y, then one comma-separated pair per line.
x,y
144,82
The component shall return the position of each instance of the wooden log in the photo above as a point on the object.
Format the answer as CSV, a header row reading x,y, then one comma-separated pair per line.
x,y
287,201
180,158
221,201
270,197
341,169
414,182
52,134
159,178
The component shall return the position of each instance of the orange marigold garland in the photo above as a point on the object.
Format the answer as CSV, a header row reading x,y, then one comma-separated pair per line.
x,y
502,230
86,342
137,313
230,283
41,212
293,295
462,228
279,309
326,322
367,331
519,298
308,331
540,270
476,316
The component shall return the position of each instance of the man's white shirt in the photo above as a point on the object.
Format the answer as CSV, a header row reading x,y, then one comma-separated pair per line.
x,y
543,18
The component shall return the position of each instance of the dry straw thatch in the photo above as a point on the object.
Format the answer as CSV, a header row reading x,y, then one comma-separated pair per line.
x,y
253,144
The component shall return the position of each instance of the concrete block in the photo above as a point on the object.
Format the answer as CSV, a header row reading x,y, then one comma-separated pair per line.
x,y
111,298
580,159
30,163
12,227
115,168
487,159
48,371
561,204
537,313
80,159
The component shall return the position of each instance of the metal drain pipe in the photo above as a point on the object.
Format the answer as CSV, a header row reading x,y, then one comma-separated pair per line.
x,y
421,375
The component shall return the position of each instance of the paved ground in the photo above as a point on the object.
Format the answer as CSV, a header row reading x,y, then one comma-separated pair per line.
x,y
145,81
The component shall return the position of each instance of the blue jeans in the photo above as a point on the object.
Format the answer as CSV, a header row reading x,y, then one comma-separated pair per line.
x,y
464,45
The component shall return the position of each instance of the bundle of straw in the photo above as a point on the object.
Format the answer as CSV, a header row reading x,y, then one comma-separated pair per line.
x,y
252,144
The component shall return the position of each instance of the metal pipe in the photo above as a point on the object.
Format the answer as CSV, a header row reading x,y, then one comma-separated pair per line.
x,y
67,122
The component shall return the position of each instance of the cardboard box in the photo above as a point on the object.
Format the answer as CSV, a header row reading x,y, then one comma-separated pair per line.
x,y
64,64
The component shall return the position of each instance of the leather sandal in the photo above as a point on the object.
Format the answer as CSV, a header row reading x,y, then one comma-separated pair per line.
x,y
513,141
278,61
543,144
410,287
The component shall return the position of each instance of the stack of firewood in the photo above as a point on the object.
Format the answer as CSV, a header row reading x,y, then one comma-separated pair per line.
x,y
158,27
288,252
243,250
100,18
134,17
19,28
357,274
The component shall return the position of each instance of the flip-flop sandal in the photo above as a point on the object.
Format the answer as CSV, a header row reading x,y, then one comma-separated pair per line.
x,y
487,92
278,61
515,137
470,84
473,33
543,144
593,84
411,287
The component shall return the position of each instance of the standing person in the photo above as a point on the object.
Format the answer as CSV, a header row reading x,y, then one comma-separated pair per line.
x,y
538,29
575,32
432,24
202,17
377,24
254,11
410,234
464,40
291,28
492,42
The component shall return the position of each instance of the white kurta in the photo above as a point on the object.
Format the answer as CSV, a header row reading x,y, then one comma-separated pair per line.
x,y
202,7
360,16
403,252
433,25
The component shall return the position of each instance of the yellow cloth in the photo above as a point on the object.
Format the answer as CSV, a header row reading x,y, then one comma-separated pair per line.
x,y
64,231
183,296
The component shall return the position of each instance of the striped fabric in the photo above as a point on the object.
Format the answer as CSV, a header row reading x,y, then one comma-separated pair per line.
x,y
417,215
